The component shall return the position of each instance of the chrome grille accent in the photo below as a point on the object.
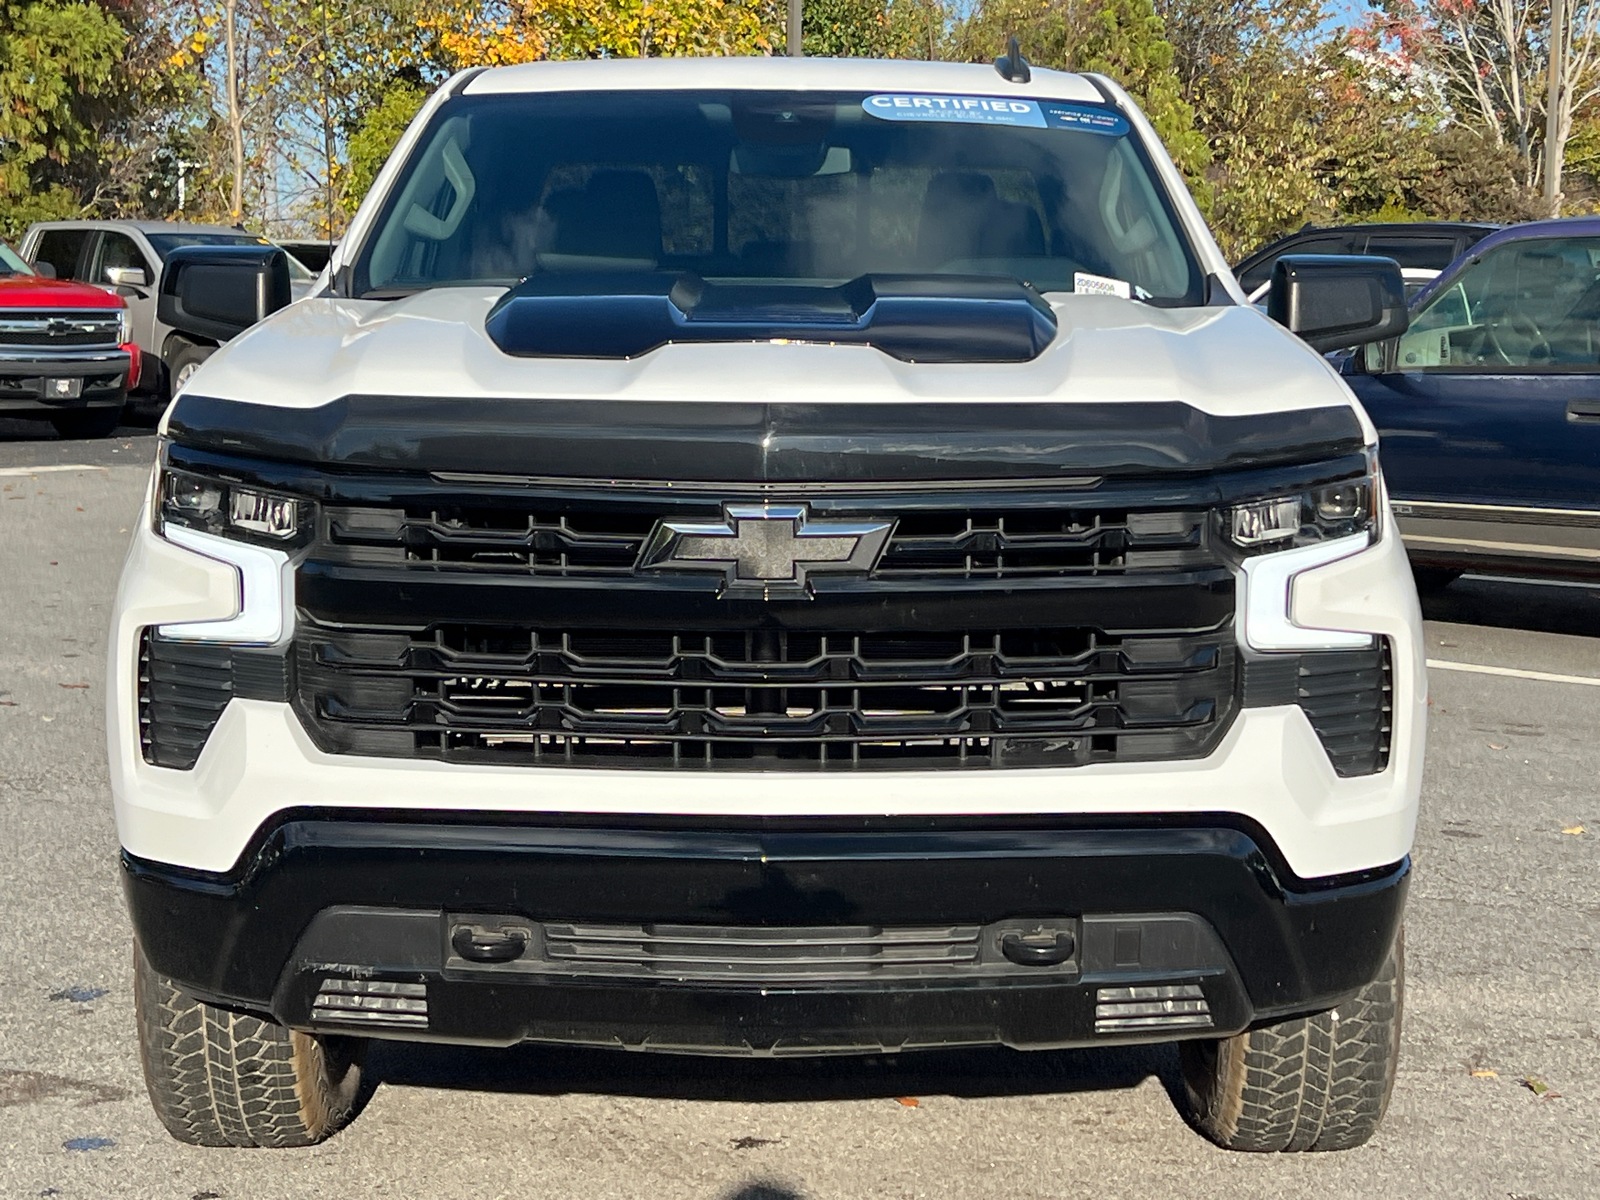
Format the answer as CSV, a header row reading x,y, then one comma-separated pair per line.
x,y
1165,1006
64,327
371,1002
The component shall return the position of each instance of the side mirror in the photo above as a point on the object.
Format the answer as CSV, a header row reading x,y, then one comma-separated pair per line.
x,y
133,277
217,292
44,270
1335,301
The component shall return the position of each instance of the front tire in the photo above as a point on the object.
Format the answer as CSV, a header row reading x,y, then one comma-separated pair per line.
x,y
222,1078
1314,1083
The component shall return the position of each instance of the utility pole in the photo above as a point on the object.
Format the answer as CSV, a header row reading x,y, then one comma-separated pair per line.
x,y
1553,148
183,173
793,37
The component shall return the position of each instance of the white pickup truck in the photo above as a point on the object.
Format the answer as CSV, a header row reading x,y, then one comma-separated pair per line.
x,y
773,557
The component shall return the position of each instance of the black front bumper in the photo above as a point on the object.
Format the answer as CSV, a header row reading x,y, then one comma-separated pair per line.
x,y
328,906
23,374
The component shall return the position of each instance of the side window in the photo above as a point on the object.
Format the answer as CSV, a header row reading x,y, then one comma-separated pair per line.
x,y
1428,254
1261,274
1528,307
61,248
118,250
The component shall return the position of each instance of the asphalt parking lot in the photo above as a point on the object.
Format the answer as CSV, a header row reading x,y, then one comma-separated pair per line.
x,y
1498,1092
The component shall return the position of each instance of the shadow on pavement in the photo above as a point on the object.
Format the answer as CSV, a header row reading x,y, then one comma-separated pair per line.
x,y
554,1071
138,420
1540,607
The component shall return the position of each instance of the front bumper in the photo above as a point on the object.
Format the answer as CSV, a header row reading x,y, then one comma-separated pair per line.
x,y
23,374
325,905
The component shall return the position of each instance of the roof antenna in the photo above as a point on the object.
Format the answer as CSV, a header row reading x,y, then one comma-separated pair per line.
x,y
1011,65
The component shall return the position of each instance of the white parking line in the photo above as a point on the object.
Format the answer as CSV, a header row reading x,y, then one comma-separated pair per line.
x,y
1437,664
51,469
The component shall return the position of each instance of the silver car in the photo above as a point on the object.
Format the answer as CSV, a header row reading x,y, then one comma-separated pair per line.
x,y
125,257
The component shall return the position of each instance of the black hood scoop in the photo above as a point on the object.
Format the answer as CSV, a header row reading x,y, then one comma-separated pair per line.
x,y
915,318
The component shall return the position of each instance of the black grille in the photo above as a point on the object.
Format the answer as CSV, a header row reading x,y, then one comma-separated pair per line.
x,y
1349,698
61,329
33,385
783,955
590,540
184,686
775,699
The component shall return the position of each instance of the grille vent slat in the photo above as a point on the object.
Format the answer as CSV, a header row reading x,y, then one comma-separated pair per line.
x,y
598,542
784,700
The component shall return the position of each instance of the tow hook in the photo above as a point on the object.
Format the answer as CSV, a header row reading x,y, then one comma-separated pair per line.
x,y
1044,948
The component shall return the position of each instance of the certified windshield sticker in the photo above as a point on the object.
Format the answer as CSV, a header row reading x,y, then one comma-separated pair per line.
x,y
1089,120
996,110
964,110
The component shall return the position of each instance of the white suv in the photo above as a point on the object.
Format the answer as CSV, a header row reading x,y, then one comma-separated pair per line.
x,y
773,557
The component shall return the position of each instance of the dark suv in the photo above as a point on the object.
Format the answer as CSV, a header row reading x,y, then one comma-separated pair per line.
x,y
1422,248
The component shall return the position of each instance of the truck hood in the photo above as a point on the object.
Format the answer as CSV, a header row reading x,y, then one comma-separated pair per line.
x,y
34,291
417,383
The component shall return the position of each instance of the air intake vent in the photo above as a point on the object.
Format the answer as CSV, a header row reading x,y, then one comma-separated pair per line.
x,y
1167,1006
371,1002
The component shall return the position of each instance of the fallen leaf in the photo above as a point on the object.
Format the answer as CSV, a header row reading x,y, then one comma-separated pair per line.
x,y
72,685
1574,830
8,703
55,564
80,508
1535,1085
1485,1073
908,1101
1492,746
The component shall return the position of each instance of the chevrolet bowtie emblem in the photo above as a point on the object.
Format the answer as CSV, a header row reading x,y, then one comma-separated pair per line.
x,y
764,549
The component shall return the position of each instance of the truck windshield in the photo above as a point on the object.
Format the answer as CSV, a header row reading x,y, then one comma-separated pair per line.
x,y
804,188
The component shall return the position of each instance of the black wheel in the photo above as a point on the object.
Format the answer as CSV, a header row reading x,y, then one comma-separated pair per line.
x,y
87,423
184,361
223,1078
1316,1083
1433,579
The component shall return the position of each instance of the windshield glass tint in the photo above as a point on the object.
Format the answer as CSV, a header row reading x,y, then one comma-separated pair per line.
x,y
11,263
1528,305
776,188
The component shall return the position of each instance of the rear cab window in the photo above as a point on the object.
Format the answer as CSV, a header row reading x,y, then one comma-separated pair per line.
x,y
63,250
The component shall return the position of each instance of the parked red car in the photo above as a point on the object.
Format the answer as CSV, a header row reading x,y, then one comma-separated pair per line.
x,y
66,351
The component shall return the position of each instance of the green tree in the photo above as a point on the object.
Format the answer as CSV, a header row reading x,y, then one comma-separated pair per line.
x,y
57,58
873,28
375,137
1124,39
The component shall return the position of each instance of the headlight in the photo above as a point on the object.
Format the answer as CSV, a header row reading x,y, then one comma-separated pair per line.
x,y
229,509
125,327
1336,510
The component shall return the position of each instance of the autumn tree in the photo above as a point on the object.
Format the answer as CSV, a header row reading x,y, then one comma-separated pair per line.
x,y
58,60
1124,39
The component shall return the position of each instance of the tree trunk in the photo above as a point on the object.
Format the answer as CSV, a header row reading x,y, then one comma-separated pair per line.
x,y
235,118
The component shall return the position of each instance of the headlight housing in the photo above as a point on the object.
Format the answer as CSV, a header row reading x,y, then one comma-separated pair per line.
x,y
1321,514
231,510
125,327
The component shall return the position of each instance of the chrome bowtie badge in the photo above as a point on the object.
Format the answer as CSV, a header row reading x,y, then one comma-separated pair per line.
x,y
765,548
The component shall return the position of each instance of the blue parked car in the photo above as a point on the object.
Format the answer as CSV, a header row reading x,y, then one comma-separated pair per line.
x,y
1488,408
